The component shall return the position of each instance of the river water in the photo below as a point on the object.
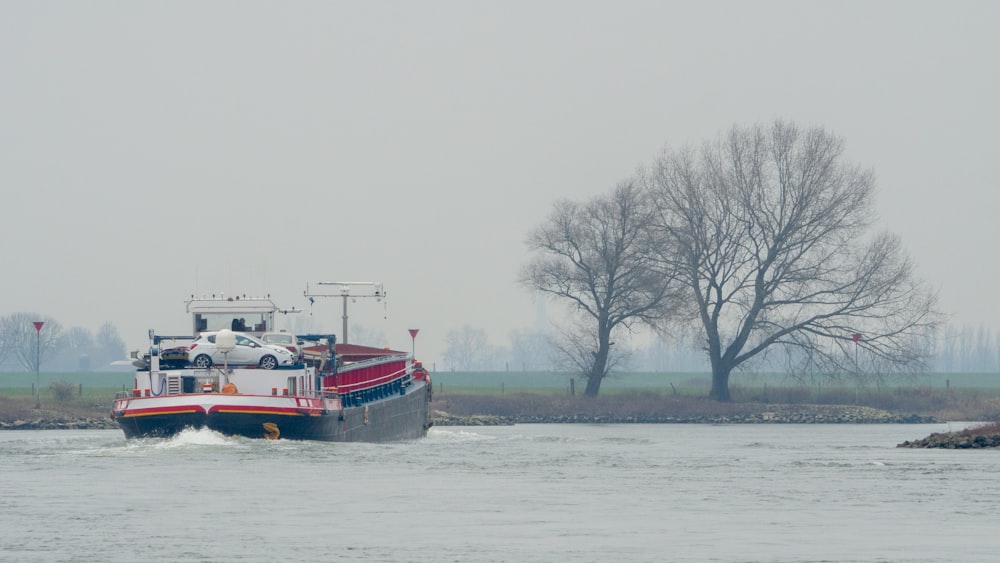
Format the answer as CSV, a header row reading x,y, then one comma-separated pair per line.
x,y
570,492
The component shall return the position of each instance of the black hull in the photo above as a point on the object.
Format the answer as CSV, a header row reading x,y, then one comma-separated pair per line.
x,y
395,418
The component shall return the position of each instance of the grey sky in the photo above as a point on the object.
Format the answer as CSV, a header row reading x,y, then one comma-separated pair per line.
x,y
150,150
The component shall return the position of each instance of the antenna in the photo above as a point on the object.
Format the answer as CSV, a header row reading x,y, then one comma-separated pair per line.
x,y
345,290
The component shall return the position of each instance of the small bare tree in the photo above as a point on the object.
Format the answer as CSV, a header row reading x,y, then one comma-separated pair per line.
x,y
599,258
772,236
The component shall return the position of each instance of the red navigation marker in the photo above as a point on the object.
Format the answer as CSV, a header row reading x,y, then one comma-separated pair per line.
x,y
38,325
413,337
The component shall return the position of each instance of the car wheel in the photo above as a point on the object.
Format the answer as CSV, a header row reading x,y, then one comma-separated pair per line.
x,y
268,362
203,361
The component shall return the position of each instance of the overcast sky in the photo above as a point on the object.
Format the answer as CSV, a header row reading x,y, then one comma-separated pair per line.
x,y
151,150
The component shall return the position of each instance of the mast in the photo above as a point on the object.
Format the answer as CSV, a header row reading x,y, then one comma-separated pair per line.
x,y
345,290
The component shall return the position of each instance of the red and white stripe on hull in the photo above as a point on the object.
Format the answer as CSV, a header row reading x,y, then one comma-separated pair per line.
x,y
210,403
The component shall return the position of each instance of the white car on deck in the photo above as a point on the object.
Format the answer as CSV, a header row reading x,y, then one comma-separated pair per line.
x,y
285,340
249,351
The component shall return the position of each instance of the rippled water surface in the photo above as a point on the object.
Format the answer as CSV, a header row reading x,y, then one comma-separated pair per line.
x,y
515,493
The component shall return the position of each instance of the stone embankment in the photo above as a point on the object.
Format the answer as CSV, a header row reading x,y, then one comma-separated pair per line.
x,y
773,414
58,423
973,438
767,414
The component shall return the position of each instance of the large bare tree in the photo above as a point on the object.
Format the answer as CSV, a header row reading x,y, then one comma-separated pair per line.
x,y
773,236
599,258
25,344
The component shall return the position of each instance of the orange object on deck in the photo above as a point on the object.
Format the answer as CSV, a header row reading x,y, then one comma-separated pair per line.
x,y
229,389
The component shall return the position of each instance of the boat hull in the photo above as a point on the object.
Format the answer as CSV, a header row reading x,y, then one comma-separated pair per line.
x,y
403,416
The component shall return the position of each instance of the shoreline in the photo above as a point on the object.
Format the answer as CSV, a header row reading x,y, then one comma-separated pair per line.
x,y
848,415
469,413
765,414
59,423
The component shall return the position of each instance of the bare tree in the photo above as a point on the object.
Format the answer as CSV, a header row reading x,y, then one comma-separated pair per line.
x,y
74,343
575,343
467,348
109,344
21,339
531,350
5,345
773,238
78,339
598,257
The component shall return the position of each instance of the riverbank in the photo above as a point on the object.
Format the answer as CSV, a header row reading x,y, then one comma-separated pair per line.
x,y
735,414
53,419
18,413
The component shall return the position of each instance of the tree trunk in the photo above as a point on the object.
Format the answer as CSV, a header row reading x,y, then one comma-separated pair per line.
x,y
600,365
593,385
720,383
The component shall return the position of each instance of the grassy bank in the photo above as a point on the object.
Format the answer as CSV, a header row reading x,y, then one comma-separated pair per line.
x,y
651,405
94,404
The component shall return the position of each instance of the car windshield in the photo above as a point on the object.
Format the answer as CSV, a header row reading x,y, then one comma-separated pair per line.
x,y
243,340
279,338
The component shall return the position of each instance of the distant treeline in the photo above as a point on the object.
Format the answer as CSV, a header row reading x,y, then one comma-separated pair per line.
x,y
670,381
29,341
955,350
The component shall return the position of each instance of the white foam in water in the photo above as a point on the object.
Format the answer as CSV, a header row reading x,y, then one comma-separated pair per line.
x,y
456,435
192,437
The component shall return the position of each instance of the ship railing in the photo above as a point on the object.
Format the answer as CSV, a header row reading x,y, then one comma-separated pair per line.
x,y
137,393
375,361
387,378
175,381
